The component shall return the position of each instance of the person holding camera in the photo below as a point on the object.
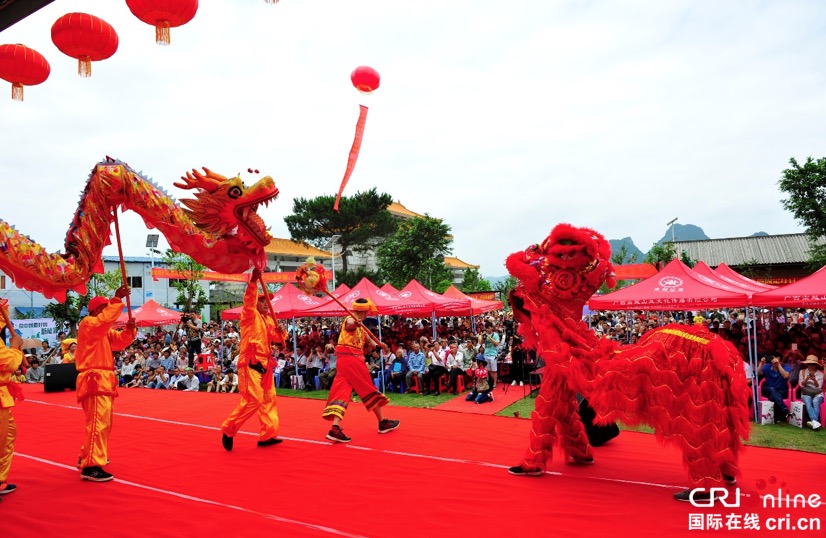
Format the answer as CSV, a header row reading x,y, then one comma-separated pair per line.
x,y
192,329
776,386
96,382
256,363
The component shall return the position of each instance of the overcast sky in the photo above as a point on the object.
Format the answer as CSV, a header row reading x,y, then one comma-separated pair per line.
x,y
502,118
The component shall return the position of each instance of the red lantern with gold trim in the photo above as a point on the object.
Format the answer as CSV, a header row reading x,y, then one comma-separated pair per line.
x,y
163,15
85,37
365,79
21,66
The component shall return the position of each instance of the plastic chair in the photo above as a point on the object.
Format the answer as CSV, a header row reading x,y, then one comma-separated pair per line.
x,y
761,398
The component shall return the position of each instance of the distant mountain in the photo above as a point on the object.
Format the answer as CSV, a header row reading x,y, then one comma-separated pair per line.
x,y
759,234
635,255
495,280
683,232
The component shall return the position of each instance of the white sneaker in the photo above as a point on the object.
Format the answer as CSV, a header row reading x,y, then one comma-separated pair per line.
x,y
521,383
513,384
815,425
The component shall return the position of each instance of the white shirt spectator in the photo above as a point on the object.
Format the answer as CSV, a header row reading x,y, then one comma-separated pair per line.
x,y
226,384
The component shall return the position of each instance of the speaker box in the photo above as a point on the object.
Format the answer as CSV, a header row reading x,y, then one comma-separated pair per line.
x,y
59,377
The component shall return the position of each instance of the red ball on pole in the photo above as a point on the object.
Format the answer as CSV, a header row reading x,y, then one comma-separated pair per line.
x,y
365,79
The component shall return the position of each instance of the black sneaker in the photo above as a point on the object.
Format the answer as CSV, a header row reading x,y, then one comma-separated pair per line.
x,y
388,425
575,460
336,434
729,479
95,474
685,495
525,471
269,442
6,488
226,440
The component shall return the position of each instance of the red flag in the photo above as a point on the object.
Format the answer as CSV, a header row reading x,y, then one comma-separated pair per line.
x,y
354,152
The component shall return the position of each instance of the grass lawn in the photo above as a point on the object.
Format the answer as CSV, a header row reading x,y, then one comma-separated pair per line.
x,y
770,436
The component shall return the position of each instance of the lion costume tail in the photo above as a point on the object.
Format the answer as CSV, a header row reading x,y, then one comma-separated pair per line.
x,y
689,385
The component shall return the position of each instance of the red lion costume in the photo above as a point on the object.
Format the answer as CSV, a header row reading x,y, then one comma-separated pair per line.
x,y
685,382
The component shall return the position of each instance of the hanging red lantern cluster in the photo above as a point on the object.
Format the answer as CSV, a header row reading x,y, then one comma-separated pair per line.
x,y
163,15
21,66
85,37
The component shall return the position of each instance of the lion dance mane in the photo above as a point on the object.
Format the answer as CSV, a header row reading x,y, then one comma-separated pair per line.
x,y
685,382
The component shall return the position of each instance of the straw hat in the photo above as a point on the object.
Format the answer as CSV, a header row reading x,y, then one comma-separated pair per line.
x,y
811,359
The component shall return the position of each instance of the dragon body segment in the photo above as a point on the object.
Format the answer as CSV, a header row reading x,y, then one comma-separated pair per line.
x,y
219,228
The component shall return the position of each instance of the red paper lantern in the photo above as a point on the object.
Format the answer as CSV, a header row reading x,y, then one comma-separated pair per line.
x,y
85,37
163,15
21,66
365,79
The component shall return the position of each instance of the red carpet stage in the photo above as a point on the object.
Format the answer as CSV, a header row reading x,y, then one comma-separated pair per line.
x,y
440,474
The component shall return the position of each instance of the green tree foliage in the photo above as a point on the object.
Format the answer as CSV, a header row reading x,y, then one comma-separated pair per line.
x,y
503,288
351,278
416,250
686,259
620,257
68,313
362,221
660,255
105,284
805,187
191,295
473,281
442,285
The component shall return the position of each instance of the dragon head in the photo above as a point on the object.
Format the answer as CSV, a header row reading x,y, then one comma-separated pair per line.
x,y
225,206
569,266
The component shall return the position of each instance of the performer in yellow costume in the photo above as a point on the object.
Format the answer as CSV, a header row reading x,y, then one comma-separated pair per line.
x,y
97,384
10,360
352,374
255,369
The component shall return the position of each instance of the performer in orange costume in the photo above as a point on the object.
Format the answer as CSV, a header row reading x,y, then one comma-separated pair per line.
x,y
10,360
352,374
97,384
255,369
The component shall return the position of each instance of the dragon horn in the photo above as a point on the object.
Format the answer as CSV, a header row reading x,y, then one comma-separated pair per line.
x,y
209,182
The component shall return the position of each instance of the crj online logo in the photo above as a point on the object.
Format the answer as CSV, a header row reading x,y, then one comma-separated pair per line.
x,y
773,495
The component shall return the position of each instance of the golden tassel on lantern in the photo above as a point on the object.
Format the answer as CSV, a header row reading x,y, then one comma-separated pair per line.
x,y
162,36
84,66
17,91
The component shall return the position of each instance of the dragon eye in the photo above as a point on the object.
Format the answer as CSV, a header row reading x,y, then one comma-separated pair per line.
x,y
234,192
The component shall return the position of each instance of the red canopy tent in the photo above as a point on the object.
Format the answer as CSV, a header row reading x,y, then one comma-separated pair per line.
x,y
388,288
708,272
676,286
385,303
288,302
806,292
435,304
151,314
725,272
477,306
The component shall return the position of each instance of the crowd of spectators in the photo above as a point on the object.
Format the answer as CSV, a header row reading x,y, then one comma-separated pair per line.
x,y
783,342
